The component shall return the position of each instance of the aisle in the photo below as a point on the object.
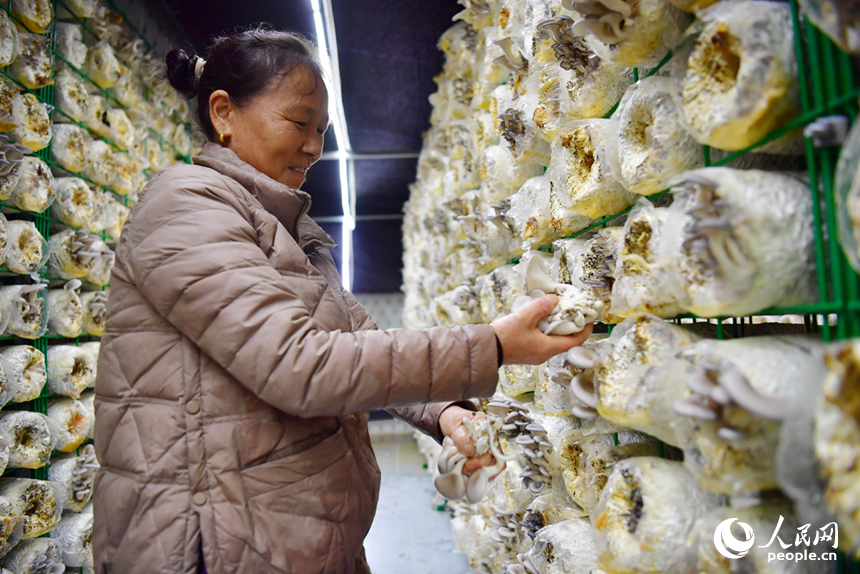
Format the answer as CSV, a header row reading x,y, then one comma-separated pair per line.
x,y
409,536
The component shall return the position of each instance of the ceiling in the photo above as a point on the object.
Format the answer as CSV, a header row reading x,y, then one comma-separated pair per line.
x,y
388,58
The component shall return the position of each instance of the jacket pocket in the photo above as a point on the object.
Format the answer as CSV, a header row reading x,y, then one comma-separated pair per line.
x,y
313,482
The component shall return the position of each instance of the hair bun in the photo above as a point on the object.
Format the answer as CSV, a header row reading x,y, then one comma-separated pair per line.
x,y
180,72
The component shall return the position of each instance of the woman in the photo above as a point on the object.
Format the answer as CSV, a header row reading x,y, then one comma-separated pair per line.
x,y
235,371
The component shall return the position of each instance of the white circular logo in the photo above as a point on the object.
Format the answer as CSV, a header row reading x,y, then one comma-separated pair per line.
x,y
728,545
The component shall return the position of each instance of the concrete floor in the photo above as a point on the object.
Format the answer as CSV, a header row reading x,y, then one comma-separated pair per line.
x,y
409,535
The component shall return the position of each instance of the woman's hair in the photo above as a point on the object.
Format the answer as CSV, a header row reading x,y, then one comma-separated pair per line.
x,y
242,64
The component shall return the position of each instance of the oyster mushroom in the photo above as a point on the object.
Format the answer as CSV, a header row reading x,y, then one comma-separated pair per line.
x,y
103,265
460,306
94,305
76,473
73,254
28,316
11,159
451,483
40,556
738,393
513,62
634,33
575,308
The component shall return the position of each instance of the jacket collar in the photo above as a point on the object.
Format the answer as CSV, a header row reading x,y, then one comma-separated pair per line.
x,y
288,205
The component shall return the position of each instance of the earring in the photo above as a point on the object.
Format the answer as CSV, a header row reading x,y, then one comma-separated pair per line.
x,y
221,138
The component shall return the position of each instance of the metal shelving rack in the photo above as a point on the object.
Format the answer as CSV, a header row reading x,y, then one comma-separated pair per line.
x,y
44,222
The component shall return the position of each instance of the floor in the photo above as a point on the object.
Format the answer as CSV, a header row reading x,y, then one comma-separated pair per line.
x,y
409,534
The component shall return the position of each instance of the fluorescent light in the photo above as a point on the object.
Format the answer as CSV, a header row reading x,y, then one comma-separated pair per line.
x,y
328,58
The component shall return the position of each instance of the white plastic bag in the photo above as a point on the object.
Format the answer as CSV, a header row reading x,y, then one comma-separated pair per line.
x,y
8,40
647,508
26,249
39,502
34,122
75,203
74,536
649,144
740,82
65,312
35,188
30,437
36,15
69,148
72,420
70,45
71,369
741,241
26,370
847,192
642,273
32,67
28,317
102,65
580,172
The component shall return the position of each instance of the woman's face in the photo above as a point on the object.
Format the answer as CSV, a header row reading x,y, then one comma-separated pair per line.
x,y
280,132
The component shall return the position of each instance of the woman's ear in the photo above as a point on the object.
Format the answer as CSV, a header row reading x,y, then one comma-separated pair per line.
x,y
221,113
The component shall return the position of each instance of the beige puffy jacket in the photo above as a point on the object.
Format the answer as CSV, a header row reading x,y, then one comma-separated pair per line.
x,y
233,377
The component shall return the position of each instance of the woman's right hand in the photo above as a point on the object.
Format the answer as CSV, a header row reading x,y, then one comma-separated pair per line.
x,y
524,344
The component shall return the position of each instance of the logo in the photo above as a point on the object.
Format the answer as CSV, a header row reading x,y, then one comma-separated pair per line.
x,y
728,545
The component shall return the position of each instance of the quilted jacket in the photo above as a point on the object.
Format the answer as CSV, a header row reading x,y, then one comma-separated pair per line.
x,y
233,380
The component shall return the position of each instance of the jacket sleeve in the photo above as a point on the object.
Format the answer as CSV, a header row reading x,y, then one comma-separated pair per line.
x,y
424,417
194,256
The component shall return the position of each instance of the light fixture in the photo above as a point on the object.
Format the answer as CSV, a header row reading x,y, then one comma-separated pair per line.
x,y
327,42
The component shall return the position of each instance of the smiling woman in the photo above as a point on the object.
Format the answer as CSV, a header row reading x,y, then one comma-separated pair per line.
x,y
235,373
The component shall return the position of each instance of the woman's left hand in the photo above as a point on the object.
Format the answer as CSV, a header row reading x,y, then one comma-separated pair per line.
x,y
451,423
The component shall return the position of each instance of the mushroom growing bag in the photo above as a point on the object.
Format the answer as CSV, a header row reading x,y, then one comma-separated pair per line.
x,y
742,241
